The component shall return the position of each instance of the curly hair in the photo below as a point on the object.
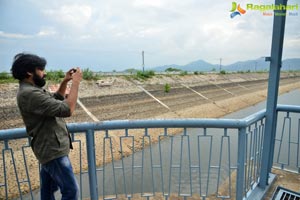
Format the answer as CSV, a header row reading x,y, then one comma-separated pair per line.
x,y
24,62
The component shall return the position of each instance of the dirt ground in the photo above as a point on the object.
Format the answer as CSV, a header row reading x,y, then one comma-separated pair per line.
x,y
285,179
117,98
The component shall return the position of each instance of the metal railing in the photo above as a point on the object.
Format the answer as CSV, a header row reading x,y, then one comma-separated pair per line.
x,y
287,141
174,157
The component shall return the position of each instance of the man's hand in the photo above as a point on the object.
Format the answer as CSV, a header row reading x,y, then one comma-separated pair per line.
x,y
73,74
69,74
76,75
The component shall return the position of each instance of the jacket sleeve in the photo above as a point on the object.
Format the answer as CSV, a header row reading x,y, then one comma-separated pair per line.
x,y
58,96
42,103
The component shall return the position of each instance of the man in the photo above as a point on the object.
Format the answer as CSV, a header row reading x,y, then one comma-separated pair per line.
x,y
43,115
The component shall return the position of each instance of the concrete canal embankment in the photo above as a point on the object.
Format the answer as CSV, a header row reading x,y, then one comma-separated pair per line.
x,y
117,98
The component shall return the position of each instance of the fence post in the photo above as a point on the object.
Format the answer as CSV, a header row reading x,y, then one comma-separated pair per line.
x,y
90,147
241,163
273,85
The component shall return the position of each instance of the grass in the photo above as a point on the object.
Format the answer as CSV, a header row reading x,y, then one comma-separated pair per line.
x,y
57,75
6,77
53,75
144,75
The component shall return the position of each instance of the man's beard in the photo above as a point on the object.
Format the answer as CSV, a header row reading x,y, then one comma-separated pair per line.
x,y
38,81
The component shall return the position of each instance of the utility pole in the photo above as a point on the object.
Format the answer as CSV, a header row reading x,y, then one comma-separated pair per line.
x,y
255,66
220,65
143,63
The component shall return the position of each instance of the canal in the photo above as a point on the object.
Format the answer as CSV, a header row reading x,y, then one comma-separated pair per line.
x,y
203,179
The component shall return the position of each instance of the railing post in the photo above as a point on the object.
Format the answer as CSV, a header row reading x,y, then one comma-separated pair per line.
x,y
90,147
273,85
241,163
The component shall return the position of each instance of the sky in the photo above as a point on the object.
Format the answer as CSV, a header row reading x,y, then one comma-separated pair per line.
x,y
107,35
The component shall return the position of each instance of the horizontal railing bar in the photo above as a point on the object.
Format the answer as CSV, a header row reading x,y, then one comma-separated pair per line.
x,y
147,195
17,133
159,123
288,108
156,166
135,124
185,195
118,167
251,119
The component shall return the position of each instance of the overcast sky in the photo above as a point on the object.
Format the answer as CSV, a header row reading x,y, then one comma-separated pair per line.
x,y
106,35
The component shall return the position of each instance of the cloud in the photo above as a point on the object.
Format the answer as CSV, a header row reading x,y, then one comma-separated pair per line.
x,y
169,31
152,3
14,35
292,42
44,32
76,15
47,31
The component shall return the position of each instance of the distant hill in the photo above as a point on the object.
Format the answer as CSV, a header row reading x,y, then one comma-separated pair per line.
x,y
252,65
164,67
291,64
262,65
199,65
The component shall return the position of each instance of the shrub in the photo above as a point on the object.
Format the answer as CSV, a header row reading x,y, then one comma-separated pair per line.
x,y
183,73
170,69
222,72
6,77
87,74
145,75
167,88
55,75
198,72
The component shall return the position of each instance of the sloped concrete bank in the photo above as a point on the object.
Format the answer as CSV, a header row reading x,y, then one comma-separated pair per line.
x,y
186,94
193,96
126,98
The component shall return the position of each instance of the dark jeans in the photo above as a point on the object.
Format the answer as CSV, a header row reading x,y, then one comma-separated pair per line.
x,y
56,174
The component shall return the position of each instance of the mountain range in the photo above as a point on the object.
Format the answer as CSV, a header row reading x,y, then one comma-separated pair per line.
x,y
253,65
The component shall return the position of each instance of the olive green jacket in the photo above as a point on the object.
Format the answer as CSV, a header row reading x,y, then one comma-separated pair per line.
x,y
43,113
